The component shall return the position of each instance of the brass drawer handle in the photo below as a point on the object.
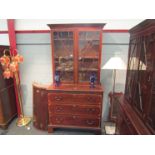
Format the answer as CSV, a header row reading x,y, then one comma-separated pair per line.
x,y
42,93
90,99
90,122
90,110
74,117
74,107
58,98
37,91
59,120
58,109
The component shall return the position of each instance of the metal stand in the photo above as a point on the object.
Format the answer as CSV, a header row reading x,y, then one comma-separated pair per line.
x,y
114,76
22,120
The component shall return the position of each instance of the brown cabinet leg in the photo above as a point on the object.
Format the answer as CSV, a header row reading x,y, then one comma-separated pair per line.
x,y
50,129
98,132
4,127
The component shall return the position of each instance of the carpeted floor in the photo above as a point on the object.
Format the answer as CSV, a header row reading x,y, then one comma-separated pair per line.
x,y
14,130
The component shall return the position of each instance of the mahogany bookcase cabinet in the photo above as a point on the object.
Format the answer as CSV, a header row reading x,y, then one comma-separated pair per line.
x,y
137,106
8,109
76,55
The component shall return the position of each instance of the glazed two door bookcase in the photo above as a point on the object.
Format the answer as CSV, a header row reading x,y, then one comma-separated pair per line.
x,y
76,51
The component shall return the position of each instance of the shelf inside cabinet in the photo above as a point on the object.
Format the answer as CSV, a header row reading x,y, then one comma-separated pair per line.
x,y
88,57
89,70
65,39
64,70
89,40
64,56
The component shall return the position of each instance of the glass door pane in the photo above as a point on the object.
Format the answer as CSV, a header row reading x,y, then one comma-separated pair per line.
x,y
63,55
132,87
89,46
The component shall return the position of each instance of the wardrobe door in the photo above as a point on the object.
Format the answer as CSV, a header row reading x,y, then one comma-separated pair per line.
x,y
150,83
151,116
8,108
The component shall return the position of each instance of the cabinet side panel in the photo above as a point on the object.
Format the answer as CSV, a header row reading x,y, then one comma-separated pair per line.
x,y
40,110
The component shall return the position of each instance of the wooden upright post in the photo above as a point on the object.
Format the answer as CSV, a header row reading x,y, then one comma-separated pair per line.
x,y
13,47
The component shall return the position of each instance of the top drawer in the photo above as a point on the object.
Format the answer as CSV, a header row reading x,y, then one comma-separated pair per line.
x,y
55,98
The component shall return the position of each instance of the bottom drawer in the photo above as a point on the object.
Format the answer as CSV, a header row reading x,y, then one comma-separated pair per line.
x,y
74,121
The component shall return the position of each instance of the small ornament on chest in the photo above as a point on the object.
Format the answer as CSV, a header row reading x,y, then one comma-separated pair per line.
x,y
92,80
57,79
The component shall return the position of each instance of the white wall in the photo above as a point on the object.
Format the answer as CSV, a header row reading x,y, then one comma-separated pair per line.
x,y
114,44
41,24
37,65
3,25
4,38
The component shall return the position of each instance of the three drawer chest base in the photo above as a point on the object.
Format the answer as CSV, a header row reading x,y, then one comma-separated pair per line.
x,y
69,106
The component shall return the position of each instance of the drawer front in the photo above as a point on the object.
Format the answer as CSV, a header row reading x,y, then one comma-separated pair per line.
x,y
66,98
74,120
75,109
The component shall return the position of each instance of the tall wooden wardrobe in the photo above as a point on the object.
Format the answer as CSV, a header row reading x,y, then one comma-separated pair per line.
x,y
7,97
137,106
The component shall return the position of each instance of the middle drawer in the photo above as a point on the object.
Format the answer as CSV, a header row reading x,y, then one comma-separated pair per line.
x,y
74,120
75,109
67,98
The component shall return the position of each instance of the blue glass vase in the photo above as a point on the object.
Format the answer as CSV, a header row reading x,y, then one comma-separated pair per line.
x,y
92,80
57,79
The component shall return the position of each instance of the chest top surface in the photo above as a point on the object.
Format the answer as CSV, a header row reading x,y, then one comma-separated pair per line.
x,y
78,88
